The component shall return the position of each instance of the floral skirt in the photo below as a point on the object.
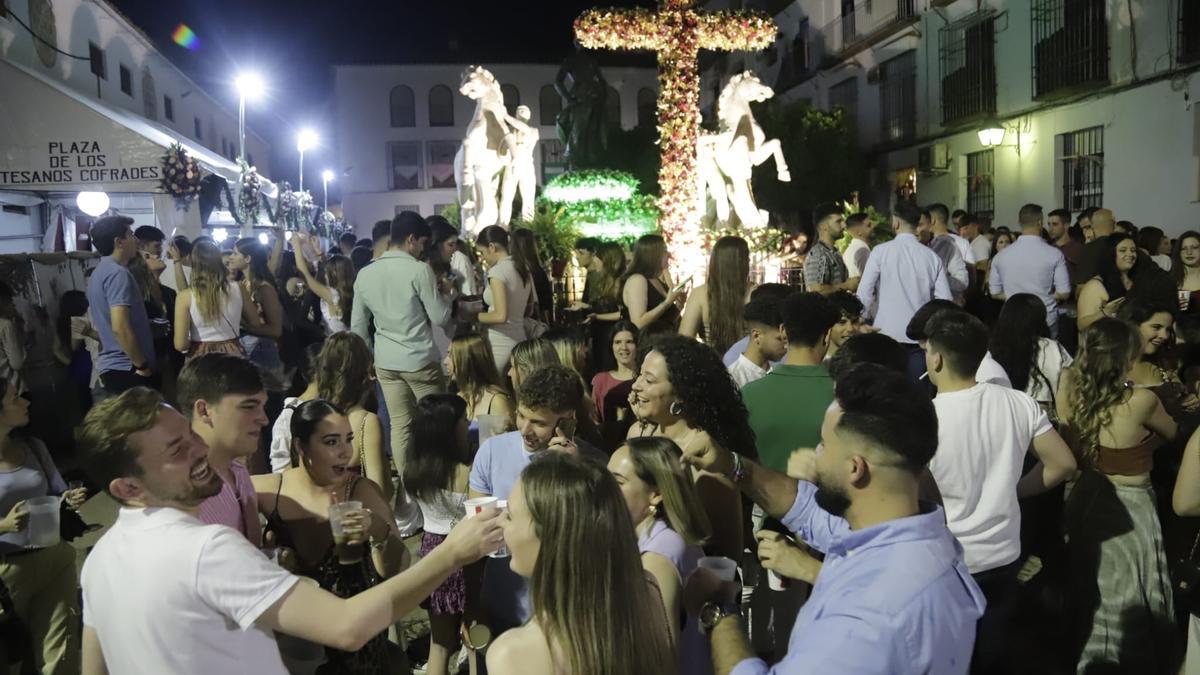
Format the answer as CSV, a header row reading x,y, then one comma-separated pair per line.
x,y
222,347
451,596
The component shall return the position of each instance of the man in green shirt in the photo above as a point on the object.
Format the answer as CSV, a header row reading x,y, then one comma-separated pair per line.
x,y
788,405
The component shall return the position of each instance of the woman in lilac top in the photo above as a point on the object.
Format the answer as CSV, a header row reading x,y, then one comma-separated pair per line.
x,y
671,526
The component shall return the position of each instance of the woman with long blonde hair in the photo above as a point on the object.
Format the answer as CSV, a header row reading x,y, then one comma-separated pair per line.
x,y
210,312
470,365
595,609
715,307
1115,538
671,527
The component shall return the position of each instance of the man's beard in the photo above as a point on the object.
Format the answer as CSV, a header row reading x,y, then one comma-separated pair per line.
x,y
195,493
833,499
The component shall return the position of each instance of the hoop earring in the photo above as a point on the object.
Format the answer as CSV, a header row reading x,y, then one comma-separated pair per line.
x,y
676,408
653,511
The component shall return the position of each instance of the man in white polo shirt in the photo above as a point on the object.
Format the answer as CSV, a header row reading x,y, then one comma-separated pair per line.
x,y
984,432
165,593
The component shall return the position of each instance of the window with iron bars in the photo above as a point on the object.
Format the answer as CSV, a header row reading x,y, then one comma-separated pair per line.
x,y
1188,50
967,51
1081,154
981,186
844,95
1070,46
897,97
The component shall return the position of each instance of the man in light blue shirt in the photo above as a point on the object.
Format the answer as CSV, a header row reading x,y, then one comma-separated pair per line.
x,y
900,277
400,294
546,406
118,312
1030,265
893,594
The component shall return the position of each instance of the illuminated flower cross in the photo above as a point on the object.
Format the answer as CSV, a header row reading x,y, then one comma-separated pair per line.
x,y
677,32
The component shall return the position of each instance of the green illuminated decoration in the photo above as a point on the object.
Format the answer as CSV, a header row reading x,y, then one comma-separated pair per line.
x,y
602,203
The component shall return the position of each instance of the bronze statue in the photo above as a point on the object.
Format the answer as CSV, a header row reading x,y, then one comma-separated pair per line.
x,y
581,125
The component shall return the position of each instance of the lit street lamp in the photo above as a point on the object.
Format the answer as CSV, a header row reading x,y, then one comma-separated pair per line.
x,y
306,139
249,85
326,176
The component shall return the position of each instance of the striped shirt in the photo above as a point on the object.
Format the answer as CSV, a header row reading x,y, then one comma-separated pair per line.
x,y
235,505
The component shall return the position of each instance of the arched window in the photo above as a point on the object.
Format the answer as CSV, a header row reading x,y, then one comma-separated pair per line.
x,y
441,106
512,98
612,107
549,105
645,107
401,103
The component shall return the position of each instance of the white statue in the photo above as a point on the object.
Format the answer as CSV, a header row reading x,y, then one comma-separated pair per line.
x,y
521,174
484,153
727,158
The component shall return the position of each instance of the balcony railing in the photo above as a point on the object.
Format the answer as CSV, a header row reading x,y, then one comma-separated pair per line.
x,y
1070,46
967,50
867,22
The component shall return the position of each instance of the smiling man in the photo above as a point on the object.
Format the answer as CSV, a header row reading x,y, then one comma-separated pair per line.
x,y
546,406
166,593
223,397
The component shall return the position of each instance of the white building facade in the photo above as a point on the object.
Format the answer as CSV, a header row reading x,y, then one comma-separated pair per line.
x,y
95,52
1095,98
398,128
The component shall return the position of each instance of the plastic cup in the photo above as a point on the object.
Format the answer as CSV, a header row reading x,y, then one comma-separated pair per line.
x,y
1185,299
349,550
501,552
774,581
491,425
721,566
43,522
474,507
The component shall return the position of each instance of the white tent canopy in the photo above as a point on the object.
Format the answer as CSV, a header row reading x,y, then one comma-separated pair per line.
x,y
55,139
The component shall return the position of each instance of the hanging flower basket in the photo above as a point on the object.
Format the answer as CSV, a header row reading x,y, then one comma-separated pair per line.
x,y
249,200
181,176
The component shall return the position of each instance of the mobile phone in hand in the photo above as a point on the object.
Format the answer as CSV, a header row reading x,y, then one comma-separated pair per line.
x,y
566,427
680,286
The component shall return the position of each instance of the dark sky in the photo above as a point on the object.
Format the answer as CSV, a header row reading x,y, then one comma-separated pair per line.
x,y
293,44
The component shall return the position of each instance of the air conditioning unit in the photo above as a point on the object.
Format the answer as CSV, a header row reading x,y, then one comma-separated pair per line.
x,y
875,75
933,158
940,3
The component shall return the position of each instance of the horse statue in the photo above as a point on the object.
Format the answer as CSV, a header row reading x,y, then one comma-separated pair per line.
x,y
726,158
484,153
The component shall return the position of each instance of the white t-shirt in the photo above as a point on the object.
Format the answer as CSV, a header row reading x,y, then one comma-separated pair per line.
x,y
166,593
855,257
983,435
981,248
964,248
744,371
992,372
1052,359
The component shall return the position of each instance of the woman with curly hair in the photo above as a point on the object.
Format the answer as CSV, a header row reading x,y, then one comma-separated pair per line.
x,y
1021,343
715,307
685,394
1122,605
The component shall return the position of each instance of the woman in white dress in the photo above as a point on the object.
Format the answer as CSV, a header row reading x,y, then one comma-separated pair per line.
x,y
509,294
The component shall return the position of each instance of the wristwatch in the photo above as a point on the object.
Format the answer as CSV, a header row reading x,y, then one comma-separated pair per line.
x,y
712,613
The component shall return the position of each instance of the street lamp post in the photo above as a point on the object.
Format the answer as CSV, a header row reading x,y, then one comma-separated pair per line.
x,y
326,176
307,138
248,85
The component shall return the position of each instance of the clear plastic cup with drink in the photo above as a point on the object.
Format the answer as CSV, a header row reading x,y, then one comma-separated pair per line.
x,y
347,539
43,528
474,507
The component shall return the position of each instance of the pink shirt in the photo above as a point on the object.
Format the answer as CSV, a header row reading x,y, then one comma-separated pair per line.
x,y
235,506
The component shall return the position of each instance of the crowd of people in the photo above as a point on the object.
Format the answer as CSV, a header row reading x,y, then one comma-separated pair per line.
x,y
963,449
